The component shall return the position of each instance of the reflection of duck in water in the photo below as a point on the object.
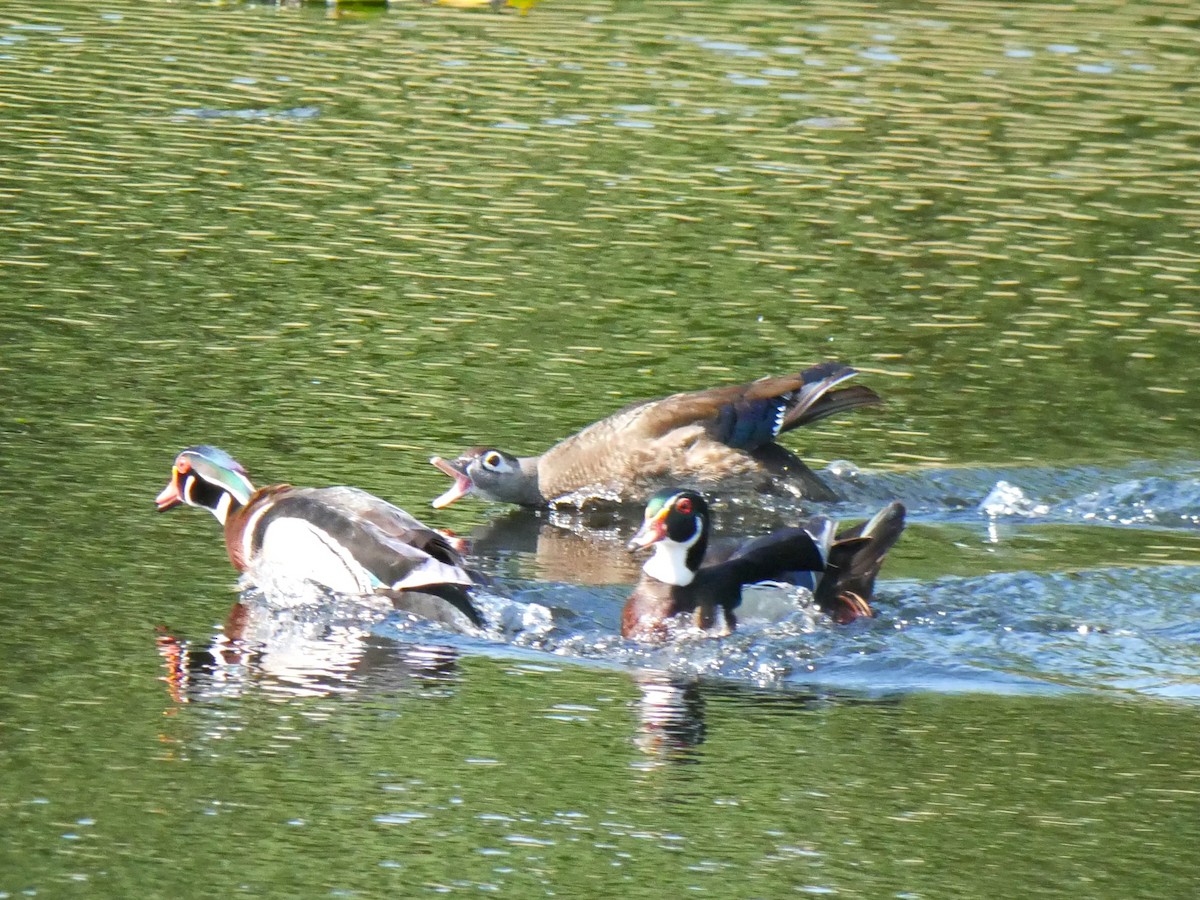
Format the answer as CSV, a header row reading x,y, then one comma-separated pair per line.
x,y
840,570
341,538
583,549
312,650
722,439
671,722
673,711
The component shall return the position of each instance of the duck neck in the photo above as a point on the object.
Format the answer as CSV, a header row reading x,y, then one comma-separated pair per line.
x,y
520,487
242,520
677,563
526,491
226,504
217,500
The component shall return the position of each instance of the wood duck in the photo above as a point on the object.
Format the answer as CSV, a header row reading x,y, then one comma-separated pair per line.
x,y
340,537
839,570
722,438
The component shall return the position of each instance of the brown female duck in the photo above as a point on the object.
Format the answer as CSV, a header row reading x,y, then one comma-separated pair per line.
x,y
722,439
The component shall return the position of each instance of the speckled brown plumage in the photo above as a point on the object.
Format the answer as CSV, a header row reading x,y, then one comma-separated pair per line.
x,y
720,439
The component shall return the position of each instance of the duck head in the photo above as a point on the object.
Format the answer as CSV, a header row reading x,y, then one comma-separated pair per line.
x,y
676,525
490,473
208,477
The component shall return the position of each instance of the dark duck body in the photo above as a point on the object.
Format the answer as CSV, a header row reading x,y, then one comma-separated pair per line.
x,y
840,569
341,538
722,439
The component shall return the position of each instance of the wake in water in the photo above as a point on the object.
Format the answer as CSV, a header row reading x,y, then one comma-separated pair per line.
x,y
1108,626
1137,494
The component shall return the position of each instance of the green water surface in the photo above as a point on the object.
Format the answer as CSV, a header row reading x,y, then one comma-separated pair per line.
x,y
334,241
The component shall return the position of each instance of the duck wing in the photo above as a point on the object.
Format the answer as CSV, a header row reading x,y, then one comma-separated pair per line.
x,y
440,603
391,523
396,549
855,559
746,416
742,416
651,437
779,556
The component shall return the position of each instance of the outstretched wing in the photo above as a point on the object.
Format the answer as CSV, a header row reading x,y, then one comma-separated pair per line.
x,y
857,554
713,433
742,416
777,556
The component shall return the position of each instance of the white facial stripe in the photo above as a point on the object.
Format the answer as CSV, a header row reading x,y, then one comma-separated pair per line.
x,y
244,490
822,531
188,484
221,510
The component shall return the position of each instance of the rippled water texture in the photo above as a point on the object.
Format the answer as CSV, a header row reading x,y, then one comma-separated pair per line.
x,y
335,240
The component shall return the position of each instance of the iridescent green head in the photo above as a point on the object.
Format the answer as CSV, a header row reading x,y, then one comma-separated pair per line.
x,y
672,515
657,501
209,477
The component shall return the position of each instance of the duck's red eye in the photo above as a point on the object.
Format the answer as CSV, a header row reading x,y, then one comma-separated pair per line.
x,y
684,505
183,466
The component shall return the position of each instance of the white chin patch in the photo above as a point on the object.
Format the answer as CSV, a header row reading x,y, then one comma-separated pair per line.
x,y
668,563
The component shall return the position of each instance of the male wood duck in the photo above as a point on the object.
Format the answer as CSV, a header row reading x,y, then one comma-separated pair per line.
x,y
839,570
341,537
722,439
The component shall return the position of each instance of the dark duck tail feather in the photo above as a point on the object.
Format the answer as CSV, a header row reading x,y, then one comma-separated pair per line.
x,y
445,604
855,558
815,397
833,403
